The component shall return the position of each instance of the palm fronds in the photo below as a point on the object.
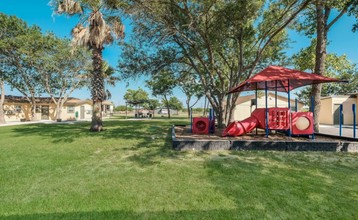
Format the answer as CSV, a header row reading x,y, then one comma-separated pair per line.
x,y
70,7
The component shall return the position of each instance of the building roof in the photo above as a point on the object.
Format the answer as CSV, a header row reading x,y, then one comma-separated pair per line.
x,y
48,100
340,96
23,99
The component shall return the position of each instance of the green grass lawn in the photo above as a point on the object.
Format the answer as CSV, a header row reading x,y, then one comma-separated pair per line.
x,y
130,172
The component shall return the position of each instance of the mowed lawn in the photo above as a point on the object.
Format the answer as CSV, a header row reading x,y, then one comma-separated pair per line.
x,y
129,171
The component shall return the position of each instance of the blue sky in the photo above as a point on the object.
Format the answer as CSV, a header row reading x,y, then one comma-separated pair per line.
x,y
342,41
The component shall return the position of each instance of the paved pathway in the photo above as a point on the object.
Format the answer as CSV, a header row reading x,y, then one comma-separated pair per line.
x,y
347,131
12,123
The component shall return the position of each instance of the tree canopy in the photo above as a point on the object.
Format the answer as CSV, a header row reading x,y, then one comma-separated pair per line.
x,y
134,97
221,42
335,66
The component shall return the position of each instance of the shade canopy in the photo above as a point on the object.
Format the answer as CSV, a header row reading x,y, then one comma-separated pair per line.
x,y
282,79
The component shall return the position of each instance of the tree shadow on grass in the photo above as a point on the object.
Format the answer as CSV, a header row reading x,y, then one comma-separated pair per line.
x,y
57,133
68,133
183,214
157,150
149,139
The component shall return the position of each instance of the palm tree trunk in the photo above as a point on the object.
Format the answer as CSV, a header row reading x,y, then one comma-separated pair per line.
x,y
2,100
97,90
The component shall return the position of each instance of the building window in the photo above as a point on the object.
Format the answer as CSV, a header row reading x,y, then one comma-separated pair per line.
x,y
38,109
71,109
9,112
18,108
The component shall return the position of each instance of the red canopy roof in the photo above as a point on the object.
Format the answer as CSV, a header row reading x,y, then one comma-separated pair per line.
x,y
280,77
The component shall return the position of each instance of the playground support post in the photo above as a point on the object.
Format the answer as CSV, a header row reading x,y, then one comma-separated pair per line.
x,y
256,103
211,121
296,105
276,94
354,120
340,119
289,106
266,111
191,120
312,110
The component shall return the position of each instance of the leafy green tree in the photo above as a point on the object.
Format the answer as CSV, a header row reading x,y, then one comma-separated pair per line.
x,y
223,42
110,78
191,88
174,103
335,66
162,85
62,71
318,21
136,96
152,104
99,25
123,108
21,53
10,27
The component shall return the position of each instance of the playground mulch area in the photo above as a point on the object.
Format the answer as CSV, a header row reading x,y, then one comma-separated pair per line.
x,y
183,132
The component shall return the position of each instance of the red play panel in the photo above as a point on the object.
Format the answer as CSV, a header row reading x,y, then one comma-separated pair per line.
x,y
302,123
200,125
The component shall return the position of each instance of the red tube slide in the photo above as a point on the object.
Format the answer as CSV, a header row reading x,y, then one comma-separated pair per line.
x,y
237,128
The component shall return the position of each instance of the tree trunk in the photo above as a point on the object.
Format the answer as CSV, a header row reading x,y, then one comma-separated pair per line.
x,y
188,106
2,101
58,109
97,90
167,105
220,116
320,60
33,108
219,110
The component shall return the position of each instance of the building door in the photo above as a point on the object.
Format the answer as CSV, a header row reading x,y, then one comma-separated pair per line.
x,y
45,112
336,115
82,113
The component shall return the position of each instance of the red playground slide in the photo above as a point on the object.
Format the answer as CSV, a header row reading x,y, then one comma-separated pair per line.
x,y
237,128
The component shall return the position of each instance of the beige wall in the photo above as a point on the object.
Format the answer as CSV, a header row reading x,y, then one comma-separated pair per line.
x,y
244,109
11,115
65,115
326,112
327,109
347,109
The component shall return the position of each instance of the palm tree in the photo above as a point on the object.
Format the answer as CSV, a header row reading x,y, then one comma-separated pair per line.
x,y
110,78
99,25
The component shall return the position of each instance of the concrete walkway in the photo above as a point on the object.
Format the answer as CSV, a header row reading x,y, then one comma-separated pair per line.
x,y
12,123
347,131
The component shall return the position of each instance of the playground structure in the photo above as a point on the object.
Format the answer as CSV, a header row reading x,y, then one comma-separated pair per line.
x,y
301,123
276,79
